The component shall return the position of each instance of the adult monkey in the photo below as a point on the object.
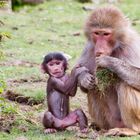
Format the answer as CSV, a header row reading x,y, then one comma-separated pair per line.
x,y
112,44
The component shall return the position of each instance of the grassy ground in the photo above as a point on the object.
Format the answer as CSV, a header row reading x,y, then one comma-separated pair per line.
x,y
33,32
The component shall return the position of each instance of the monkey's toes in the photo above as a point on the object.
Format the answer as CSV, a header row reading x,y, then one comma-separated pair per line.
x,y
50,130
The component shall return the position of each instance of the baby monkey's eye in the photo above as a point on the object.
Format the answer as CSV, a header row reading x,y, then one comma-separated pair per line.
x,y
51,64
57,63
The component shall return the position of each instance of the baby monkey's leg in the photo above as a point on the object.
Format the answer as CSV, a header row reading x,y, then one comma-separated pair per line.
x,y
48,121
74,117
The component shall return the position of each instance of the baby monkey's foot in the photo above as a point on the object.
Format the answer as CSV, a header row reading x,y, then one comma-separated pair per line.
x,y
82,133
87,133
50,130
85,130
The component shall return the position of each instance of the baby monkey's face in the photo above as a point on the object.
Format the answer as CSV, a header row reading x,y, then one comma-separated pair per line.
x,y
56,68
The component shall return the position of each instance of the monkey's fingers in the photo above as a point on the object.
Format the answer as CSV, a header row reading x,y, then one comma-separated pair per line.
x,y
88,85
90,78
103,61
91,81
91,86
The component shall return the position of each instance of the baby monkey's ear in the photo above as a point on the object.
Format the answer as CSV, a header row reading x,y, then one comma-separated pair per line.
x,y
43,68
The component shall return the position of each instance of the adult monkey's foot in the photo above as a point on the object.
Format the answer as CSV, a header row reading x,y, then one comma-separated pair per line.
x,y
121,132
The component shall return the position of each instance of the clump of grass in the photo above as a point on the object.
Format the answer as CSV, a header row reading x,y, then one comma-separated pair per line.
x,y
5,35
105,78
7,108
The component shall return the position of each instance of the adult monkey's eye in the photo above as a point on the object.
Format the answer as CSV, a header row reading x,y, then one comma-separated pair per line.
x,y
106,34
96,33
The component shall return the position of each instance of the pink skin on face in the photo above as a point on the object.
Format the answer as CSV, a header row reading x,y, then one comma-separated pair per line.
x,y
56,68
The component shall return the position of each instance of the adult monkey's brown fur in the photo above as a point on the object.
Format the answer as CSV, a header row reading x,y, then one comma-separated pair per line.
x,y
113,44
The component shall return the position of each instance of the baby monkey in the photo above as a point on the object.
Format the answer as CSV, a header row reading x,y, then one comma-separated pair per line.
x,y
59,87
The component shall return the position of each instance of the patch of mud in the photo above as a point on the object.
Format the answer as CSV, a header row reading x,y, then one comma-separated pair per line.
x,y
19,63
21,98
31,79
